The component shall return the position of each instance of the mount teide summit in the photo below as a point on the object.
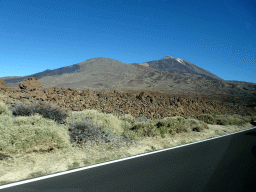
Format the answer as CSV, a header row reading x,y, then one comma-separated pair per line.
x,y
178,66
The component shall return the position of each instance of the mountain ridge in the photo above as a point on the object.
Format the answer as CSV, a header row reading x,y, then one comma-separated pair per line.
x,y
167,75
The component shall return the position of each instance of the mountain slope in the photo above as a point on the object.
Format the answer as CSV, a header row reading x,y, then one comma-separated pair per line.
x,y
166,75
95,73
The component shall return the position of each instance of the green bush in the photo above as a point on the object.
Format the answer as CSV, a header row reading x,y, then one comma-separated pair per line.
x,y
207,118
171,125
143,129
4,109
127,117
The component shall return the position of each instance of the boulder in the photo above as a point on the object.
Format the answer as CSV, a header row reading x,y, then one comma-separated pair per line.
x,y
31,84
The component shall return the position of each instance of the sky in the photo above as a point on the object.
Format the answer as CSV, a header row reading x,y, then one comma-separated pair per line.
x,y
38,35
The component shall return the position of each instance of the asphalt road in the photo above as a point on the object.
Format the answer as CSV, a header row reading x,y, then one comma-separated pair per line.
x,y
222,164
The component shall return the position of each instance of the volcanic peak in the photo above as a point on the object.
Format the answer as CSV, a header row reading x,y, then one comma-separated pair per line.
x,y
168,57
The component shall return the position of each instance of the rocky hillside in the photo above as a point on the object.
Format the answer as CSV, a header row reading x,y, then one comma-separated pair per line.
x,y
152,105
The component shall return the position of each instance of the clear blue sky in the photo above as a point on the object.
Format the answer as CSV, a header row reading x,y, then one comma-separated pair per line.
x,y
219,36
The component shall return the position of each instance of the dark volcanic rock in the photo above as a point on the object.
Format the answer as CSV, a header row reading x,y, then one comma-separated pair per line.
x,y
149,104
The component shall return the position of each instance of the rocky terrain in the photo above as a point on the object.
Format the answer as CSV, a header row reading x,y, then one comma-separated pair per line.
x,y
144,103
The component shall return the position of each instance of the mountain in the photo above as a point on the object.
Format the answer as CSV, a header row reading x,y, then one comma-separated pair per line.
x,y
178,66
168,75
95,73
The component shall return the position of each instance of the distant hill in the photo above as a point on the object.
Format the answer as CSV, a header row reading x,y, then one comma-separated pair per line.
x,y
168,75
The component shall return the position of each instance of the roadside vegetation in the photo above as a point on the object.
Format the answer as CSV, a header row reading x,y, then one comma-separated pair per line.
x,y
42,138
